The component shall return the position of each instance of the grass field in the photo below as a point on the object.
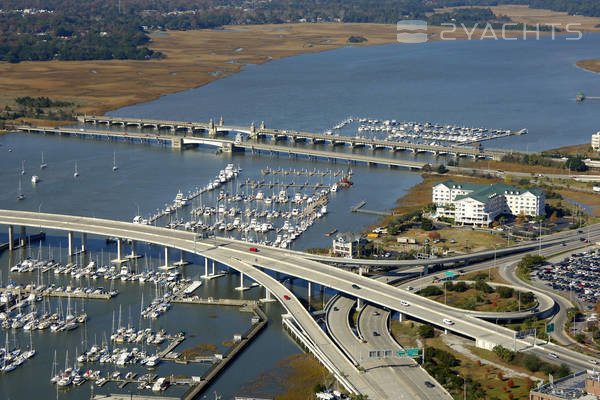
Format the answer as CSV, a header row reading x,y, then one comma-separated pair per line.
x,y
478,301
495,385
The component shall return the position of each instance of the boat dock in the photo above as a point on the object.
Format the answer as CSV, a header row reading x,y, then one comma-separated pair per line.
x,y
217,302
359,209
255,184
123,396
163,353
271,171
23,293
217,367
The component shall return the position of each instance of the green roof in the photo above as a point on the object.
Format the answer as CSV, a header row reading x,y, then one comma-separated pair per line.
x,y
483,191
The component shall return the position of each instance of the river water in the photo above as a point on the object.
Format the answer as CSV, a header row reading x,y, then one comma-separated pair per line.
x,y
510,85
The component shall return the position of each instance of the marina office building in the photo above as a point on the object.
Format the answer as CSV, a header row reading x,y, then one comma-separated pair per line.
x,y
480,204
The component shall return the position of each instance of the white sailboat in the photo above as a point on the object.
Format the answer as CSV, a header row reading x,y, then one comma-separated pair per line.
x,y
115,168
20,195
23,167
76,174
43,164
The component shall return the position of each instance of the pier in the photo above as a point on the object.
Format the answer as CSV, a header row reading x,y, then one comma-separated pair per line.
x,y
359,209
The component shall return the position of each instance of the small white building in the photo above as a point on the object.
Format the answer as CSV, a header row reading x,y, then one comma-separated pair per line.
x,y
596,141
480,204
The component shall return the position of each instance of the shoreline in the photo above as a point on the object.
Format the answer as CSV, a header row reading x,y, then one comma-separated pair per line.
x,y
589,65
199,57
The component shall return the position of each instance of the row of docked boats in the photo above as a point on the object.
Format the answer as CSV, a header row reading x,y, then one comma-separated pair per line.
x,y
12,358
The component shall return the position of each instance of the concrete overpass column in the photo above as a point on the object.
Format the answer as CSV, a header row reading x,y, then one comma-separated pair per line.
x,y
70,243
119,258
83,242
309,291
11,242
213,268
242,287
205,276
181,261
132,254
166,266
401,317
23,236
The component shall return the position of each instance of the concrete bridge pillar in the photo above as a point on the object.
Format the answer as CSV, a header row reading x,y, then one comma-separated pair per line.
x,y
11,241
205,276
83,242
181,261
213,268
23,236
166,266
70,243
242,287
309,291
119,259
132,254
401,317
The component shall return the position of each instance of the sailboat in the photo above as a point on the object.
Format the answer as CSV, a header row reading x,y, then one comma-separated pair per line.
x,y
20,195
115,168
43,164
76,174
23,167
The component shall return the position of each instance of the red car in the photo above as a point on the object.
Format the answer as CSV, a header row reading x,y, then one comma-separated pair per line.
x,y
254,249
285,296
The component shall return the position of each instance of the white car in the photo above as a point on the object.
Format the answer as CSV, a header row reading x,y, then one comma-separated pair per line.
x,y
404,303
448,321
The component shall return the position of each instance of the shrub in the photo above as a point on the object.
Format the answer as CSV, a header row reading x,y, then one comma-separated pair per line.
x,y
431,291
426,331
505,292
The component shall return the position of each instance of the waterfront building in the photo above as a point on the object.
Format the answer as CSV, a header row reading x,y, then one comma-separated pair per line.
x,y
347,244
596,141
480,204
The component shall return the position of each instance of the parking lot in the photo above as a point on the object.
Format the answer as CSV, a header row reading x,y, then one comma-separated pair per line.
x,y
576,276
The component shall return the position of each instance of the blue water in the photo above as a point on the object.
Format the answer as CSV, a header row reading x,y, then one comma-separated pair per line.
x,y
493,84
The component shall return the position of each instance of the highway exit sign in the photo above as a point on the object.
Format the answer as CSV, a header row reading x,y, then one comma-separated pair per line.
x,y
550,328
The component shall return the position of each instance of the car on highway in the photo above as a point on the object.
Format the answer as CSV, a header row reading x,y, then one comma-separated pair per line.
x,y
448,321
375,333
595,362
285,296
254,249
375,313
553,355
429,384
404,303
410,288
336,309
355,286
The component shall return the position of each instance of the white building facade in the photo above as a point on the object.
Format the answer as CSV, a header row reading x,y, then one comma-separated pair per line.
x,y
480,204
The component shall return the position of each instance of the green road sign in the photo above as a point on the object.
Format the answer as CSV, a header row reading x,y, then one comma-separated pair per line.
x,y
450,274
412,352
550,328
401,353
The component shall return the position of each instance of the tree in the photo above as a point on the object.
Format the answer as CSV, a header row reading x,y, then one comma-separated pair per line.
x,y
434,235
431,291
505,292
576,164
427,225
426,331
441,169
510,383
553,217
